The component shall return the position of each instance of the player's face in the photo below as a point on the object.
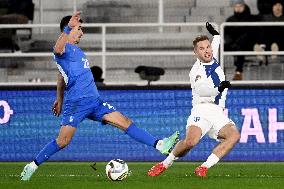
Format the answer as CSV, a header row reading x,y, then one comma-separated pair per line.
x,y
76,34
203,51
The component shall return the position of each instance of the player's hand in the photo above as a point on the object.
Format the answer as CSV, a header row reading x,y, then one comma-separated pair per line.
x,y
75,19
223,85
56,108
211,30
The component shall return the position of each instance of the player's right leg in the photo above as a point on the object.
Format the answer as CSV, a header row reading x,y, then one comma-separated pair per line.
x,y
65,135
230,136
193,136
106,113
120,121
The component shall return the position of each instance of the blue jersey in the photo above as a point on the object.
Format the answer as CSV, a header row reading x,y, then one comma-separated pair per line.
x,y
74,67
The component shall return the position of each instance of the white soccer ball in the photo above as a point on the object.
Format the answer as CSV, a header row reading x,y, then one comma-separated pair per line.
x,y
116,170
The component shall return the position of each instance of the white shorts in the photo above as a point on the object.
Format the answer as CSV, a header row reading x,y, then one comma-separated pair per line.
x,y
210,118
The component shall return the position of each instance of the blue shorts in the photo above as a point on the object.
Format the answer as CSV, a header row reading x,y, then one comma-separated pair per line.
x,y
91,108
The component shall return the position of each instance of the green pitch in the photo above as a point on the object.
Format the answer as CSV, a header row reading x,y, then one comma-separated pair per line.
x,y
75,175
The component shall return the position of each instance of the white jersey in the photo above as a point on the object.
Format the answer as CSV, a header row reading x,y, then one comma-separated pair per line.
x,y
206,77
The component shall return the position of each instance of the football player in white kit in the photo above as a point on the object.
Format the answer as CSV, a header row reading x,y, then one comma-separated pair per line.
x,y
209,90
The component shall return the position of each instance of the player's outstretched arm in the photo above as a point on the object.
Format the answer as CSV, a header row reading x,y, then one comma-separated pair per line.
x,y
216,39
63,38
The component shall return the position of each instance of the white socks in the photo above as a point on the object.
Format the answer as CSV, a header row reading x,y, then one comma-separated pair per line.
x,y
169,160
33,165
211,160
159,145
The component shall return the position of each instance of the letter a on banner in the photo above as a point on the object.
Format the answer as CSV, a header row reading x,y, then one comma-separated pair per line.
x,y
251,116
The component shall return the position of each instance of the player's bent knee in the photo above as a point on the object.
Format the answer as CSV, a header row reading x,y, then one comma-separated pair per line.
x,y
235,136
123,119
189,144
63,142
128,121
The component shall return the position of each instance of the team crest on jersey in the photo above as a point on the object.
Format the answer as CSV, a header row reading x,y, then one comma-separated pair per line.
x,y
197,77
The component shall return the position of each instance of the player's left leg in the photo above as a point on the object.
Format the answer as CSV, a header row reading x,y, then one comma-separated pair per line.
x,y
64,137
229,136
73,114
122,122
193,136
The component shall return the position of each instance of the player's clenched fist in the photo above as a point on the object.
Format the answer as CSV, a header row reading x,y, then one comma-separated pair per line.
x,y
211,30
75,19
223,85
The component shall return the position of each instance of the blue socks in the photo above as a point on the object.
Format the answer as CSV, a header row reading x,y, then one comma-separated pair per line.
x,y
140,135
134,132
49,149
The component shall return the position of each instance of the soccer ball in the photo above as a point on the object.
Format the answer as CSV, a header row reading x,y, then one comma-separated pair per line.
x,y
116,170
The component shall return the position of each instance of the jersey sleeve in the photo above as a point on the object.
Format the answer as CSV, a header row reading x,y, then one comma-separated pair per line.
x,y
215,45
191,79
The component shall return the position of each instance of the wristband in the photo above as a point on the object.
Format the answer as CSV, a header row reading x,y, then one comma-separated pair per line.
x,y
67,30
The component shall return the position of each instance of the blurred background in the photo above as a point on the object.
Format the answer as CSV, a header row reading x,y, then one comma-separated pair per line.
x,y
120,35
124,40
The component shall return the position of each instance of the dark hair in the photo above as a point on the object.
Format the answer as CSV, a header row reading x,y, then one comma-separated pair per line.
x,y
198,39
64,22
274,2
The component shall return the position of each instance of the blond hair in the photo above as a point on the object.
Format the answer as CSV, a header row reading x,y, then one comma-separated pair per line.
x,y
198,39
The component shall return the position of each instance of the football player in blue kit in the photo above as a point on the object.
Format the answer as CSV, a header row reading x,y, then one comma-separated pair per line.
x,y
82,100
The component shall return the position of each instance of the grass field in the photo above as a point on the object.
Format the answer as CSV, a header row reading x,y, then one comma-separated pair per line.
x,y
69,175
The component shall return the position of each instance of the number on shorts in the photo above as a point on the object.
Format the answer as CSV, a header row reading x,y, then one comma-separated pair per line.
x,y
196,119
108,105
